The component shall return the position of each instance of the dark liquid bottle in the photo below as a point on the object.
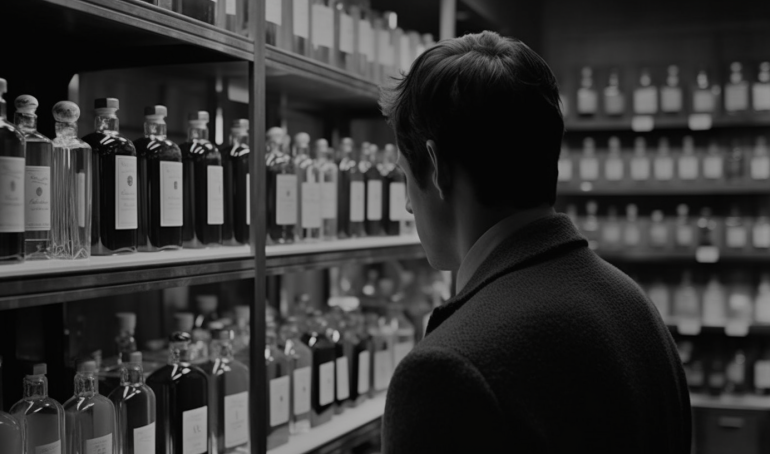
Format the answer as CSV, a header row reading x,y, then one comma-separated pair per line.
x,y
374,190
393,191
350,194
181,390
203,186
12,155
300,359
160,185
135,408
281,191
114,204
360,369
235,160
344,344
322,393
278,371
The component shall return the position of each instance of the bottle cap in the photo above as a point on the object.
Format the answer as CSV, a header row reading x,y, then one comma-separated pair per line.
x,y
135,358
347,145
156,111
66,112
26,104
614,144
243,312
275,134
126,321
38,369
179,337
199,116
302,140
3,87
240,123
107,103
184,321
87,367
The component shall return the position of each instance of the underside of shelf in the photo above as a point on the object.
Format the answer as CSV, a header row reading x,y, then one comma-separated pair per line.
x,y
627,188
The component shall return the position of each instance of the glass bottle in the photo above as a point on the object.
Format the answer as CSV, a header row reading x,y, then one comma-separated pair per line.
x,y
300,359
344,344
632,235
228,396
181,390
734,162
309,188
660,296
645,95
611,230
110,376
135,409
361,376
760,90
762,372
687,165
663,164
274,27
706,229
37,181
671,93
10,434
328,173
382,357
590,225
278,382
587,99
658,230
393,194
736,234
760,160
640,162
565,164
114,220
227,14
322,30
366,41
686,301
737,90
614,101
613,165
12,161
684,228
160,185
345,36
281,184
736,373
589,164
713,164
237,185
90,416
740,302
71,178
714,303
704,96
350,193
301,27
203,185
322,392
41,418
760,232
373,180
202,10
762,301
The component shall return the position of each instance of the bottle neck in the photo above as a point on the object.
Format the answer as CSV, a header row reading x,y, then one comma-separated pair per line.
x,y
131,374
126,346
86,385
36,386
66,130
179,354
155,130
222,350
25,121
2,108
106,123
197,133
239,138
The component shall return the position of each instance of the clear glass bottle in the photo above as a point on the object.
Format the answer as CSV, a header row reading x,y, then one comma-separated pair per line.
x,y
361,369
282,194
203,185
704,95
37,181
760,160
12,161
736,90
760,90
324,356
71,177
614,165
687,165
589,164
345,35
663,164
659,231
590,226
350,193
685,235
300,359
736,233
274,27
393,192
135,408
228,396
41,418
237,184
90,416
740,302
734,168
706,228
242,330
632,234
640,162
110,376
328,174
762,372
713,162
383,341
10,434
565,164
714,303
736,373
344,344
587,99
278,371
366,41
614,101
645,95
309,189
760,231
161,185
671,93
114,220
181,391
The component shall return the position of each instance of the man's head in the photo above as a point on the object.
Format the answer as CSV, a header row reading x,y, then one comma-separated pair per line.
x,y
477,118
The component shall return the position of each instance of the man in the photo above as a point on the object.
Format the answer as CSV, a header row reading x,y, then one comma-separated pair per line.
x,y
546,348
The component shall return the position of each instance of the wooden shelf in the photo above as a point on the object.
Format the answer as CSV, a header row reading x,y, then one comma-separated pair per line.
x,y
744,402
630,188
679,122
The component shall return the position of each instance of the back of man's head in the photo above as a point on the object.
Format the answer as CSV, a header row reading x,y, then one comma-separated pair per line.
x,y
491,104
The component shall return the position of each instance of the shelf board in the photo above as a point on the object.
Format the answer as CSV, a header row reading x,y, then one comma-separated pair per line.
x,y
754,330
657,188
650,255
340,426
728,402
678,122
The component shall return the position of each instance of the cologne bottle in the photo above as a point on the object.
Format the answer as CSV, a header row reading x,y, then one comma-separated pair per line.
x,y
114,219
736,234
706,229
37,181
714,303
762,301
659,230
350,193
587,99
282,197
614,101
309,188
228,396
760,231
740,302
10,434
71,177
345,35
565,164
611,230
90,416
373,180
237,185
734,162
322,392
181,390
279,371
632,234
589,164
135,409
40,417
640,162
736,373
322,30
393,192
645,95
160,185
300,359
760,160
660,296
686,302
382,356
687,165
704,95
685,236
671,93
713,164
762,373
737,90
613,165
12,162
203,185
760,90
344,344
590,226
301,27
328,173
663,164
361,374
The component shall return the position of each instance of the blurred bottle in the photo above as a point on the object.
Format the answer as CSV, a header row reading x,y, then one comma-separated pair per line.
x,y
613,165
393,193
587,99
713,164
614,101
692,364
645,95
382,358
762,301
309,189
242,332
760,90
324,356
736,90
282,194
760,160
611,230
403,330
740,303
659,232
351,193
640,162
671,93
632,235
686,301
300,359
344,344
373,180
706,229
736,233
714,303
660,295
762,372
688,161
589,164
717,373
135,407
663,165
565,164
705,94
91,419
590,225
41,418
361,380
736,373
685,235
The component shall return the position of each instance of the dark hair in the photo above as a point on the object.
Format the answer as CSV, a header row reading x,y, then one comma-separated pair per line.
x,y
491,104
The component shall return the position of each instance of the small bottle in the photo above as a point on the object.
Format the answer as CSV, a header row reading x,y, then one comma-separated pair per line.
x,y
565,164
614,101
686,302
393,193
613,165
361,377
760,232
322,30
717,374
736,373
671,93
714,303
589,164
135,409
351,193
71,181
91,417
344,344
659,235
762,373
660,295
282,194
237,185
704,96
740,303
160,185
309,188
762,301
736,234
685,235
713,162
114,211
328,174
760,90
203,185
760,160
322,392
632,235
37,181
734,162
41,418
373,180
345,45
688,165
12,158
278,383
645,95
611,230
640,162
737,90
587,99
692,365
301,364
590,226
663,165
706,228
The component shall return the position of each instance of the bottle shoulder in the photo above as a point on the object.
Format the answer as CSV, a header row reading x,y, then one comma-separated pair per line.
x,y
108,143
9,131
70,143
163,149
198,149
35,136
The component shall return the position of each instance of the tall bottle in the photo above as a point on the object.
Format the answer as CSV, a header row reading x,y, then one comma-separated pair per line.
x,y
278,372
235,160
282,202
135,408
587,98
393,193
361,377
309,188
373,180
322,30
114,220
228,396
671,93
12,155
614,101
181,390
344,345
90,416
322,391
10,434
37,181
350,193
161,185
203,185
71,177
300,359
41,418
328,174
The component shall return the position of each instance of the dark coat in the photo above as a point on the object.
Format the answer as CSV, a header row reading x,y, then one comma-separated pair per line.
x,y
548,349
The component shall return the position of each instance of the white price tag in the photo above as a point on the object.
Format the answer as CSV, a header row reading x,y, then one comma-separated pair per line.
x,y
301,386
343,378
301,18
125,193
383,369
195,431
286,199
37,192
326,383
364,359
215,196
323,26
707,254
171,205
347,34
273,11
357,201
642,123
279,401
311,205
329,200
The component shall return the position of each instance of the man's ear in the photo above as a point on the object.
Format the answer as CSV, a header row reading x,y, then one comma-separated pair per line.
x,y
440,177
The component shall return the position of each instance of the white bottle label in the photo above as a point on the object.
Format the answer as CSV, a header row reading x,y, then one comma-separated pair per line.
x,y
374,200
613,169
400,351
311,205
11,195
383,369
236,419
144,439
688,168
366,40
736,97
125,193
323,26
646,100
760,168
37,191
736,237
347,35
761,96
101,445
171,205
587,101
301,18
703,101
248,199
301,386
589,169
81,202
565,170
329,200
640,169
397,208
761,236
326,383
195,431
671,99
357,201
50,448
279,401
230,7
364,364
664,169
273,11
215,196
712,167
343,378
385,48
286,200
762,373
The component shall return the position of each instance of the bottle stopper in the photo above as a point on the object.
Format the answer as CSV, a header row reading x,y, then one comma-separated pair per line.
x,y
126,321
302,140
26,104
87,367
347,145
243,312
156,111
107,104
3,86
135,358
180,337
38,369
184,321
240,123
275,134
66,112
200,116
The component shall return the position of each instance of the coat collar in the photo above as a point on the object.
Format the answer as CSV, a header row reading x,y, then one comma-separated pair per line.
x,y
548,235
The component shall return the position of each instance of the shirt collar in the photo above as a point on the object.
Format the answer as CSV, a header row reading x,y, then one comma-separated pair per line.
x,y
492,238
